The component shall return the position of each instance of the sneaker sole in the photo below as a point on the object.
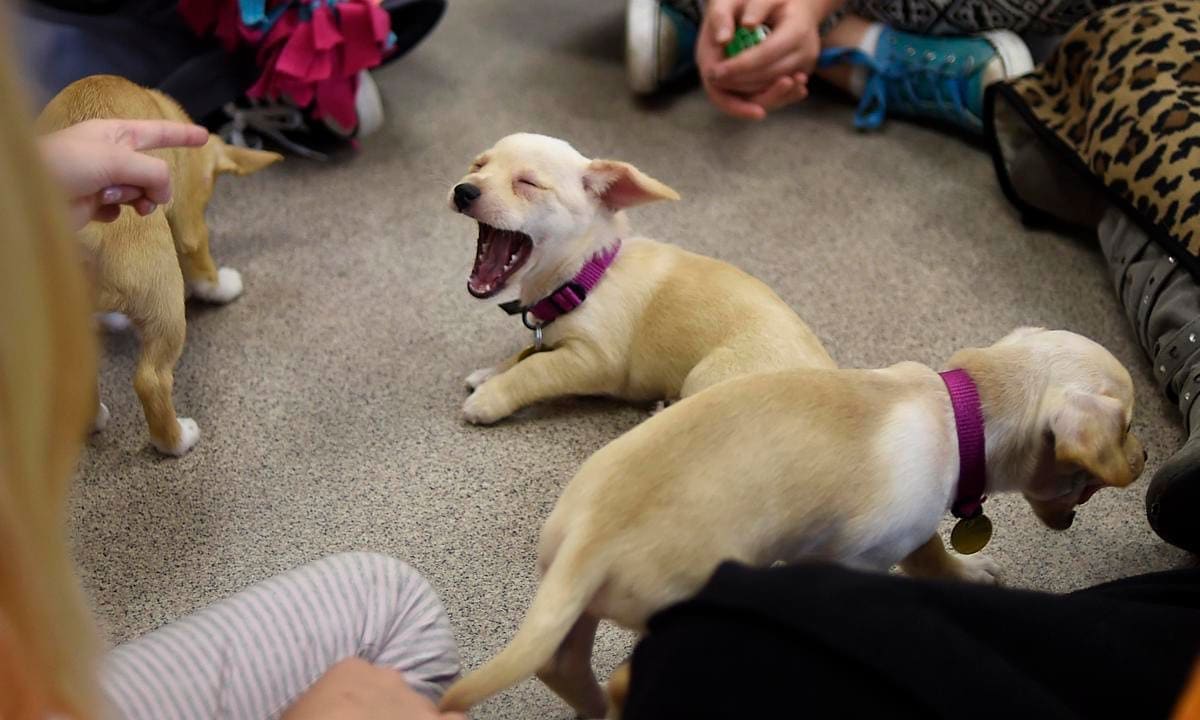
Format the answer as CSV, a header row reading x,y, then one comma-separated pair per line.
x,y
641,45
369,105
1012,51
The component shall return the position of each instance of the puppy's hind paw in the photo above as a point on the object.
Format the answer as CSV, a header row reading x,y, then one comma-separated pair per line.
x,y
189,435
479,377
977,569
101,420
226,289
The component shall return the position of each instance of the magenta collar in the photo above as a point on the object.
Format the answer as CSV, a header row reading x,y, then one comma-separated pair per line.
x,y
968,424
569,295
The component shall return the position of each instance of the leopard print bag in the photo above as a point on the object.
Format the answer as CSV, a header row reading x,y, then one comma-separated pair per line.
x,y
1118,101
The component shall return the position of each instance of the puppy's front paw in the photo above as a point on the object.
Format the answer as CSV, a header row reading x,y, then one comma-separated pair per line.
x,y
101,420
485,406
977,569
479,377
227,287
189,435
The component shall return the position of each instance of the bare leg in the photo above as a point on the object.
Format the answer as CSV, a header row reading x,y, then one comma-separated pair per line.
x,y
848,32
569,673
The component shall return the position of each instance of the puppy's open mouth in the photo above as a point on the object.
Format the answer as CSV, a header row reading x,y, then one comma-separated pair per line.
x,y
499,254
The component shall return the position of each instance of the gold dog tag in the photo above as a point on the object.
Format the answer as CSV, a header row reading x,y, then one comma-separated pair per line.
x,y
971,534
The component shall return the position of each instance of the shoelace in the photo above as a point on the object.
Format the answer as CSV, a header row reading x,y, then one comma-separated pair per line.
x,y
949,90
268,121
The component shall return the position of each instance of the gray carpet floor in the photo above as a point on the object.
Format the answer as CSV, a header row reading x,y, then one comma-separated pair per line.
x,y
329,394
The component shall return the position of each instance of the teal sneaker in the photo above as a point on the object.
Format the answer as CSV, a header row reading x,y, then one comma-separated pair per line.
x,y
660,42
939,78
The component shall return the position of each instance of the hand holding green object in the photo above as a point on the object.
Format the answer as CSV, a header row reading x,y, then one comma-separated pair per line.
x,y
744,38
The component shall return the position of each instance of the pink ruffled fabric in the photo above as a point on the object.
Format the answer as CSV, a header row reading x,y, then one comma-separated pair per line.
x,y
311,55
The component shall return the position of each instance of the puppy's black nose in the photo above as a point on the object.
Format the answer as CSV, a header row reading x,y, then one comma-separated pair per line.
x,y
464,195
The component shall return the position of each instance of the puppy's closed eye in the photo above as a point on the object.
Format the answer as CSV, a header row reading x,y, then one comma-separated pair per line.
x,y
527,182
478,165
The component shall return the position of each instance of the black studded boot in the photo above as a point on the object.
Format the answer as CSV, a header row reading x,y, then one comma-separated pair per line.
x,y
1162,301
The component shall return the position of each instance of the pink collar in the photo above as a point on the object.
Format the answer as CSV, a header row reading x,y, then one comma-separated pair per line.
x,y
569,295
972,456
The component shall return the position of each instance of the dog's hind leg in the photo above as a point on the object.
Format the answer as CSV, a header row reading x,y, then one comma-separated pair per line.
x,y
163,327
720,364
204,280
569,673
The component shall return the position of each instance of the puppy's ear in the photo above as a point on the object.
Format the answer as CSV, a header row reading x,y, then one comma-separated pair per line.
x,y
240,160
619,185
1089,434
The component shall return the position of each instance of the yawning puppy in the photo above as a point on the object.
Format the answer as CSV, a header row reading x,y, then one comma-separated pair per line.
x,y
851,466
658,323
142,265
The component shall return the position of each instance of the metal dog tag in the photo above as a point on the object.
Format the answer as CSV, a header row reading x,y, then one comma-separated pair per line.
x,y
536,347
970,535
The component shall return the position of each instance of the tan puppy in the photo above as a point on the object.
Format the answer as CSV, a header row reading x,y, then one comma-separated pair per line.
x,y
663,323
851,466
142,266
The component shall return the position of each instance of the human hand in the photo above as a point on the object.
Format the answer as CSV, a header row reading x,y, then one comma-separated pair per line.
x,y
769,75
100,164
354,689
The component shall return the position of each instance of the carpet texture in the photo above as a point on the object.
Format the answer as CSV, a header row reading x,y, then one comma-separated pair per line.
x,y
329,394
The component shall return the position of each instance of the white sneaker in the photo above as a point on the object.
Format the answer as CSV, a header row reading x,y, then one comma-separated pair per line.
x,y
660,42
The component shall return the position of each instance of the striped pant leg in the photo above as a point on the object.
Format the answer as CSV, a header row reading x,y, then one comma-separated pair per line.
x,y
250,656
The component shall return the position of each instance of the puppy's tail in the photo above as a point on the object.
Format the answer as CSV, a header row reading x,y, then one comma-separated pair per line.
x,y
570,582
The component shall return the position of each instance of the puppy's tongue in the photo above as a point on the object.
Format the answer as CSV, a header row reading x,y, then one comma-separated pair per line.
x,y
497,256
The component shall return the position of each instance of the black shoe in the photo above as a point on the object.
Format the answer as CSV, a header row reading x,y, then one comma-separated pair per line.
x,y
1173,500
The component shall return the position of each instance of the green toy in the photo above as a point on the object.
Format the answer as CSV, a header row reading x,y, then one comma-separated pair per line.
x,y
746,38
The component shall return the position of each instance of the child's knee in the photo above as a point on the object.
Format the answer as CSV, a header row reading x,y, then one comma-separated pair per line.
x,y
389,582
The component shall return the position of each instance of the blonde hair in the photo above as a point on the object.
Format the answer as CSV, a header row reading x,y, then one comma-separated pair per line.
x,y
47,401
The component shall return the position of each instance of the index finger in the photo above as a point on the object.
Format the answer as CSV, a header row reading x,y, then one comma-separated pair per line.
x,y
155,134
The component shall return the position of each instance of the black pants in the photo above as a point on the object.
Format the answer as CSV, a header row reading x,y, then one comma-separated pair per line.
x,y
823,642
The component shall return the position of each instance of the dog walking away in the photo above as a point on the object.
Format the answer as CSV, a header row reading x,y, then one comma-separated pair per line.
x,y
143,266
849,466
